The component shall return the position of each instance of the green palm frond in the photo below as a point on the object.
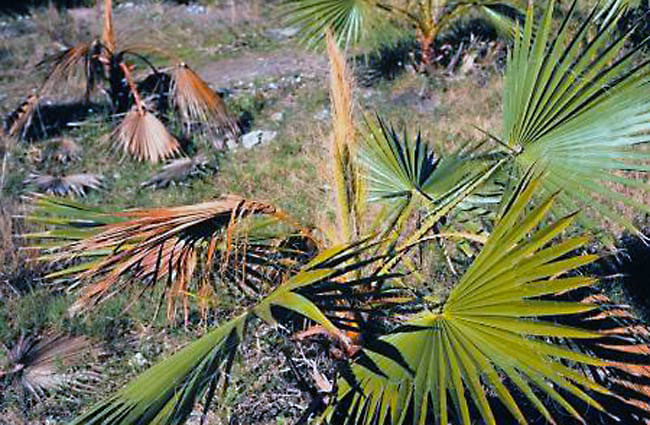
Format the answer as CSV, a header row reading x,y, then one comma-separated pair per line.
x,y
579,109
168,392
493,333
350,20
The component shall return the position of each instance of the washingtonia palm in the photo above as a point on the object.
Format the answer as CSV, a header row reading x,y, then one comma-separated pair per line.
x,y
507,338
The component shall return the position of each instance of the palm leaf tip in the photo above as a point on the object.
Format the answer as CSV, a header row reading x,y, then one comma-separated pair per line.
x,y
199,105
143,136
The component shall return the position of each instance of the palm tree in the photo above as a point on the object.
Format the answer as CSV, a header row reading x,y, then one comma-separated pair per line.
x,y
355,20
141,133
522,333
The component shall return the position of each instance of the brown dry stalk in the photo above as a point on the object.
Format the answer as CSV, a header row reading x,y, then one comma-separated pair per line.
x,y
108,31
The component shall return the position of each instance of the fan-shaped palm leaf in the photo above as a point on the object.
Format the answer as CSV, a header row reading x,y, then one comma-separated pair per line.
x,y
351,20
492,326
579,109
45,365
199,104
142,135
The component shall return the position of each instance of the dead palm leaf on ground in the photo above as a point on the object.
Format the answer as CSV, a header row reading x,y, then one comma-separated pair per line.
x,y
179,170
66,150
75,184
52,363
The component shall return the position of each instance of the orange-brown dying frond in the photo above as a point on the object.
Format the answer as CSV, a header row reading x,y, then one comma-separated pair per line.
x,y
66,65
21,118
199,104
144,137
164,242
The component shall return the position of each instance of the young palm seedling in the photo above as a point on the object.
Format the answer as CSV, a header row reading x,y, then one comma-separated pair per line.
x,y
355,20
107,66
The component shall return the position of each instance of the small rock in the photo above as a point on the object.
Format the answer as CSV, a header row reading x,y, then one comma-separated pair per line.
x,y
138,361
257,137
279,34
278,116
322,115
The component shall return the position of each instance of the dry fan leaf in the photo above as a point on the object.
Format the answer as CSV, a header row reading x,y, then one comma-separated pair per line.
x,y
43,365
199,104
21,118
76,184
179,170
66,150
143,136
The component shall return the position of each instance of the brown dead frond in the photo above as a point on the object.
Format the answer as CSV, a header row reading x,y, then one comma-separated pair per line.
x,y
67,65
66,150
43,365
143,136
347,180
19,121
179,170
170,242
198,104
76,184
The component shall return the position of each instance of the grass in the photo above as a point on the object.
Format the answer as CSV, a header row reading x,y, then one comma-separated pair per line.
x,y
287,172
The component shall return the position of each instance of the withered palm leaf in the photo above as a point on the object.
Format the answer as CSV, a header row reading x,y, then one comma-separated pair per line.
x,y
76,184
65,66
48,364
21,118
179,170
142,135
172,243
66,150
199,104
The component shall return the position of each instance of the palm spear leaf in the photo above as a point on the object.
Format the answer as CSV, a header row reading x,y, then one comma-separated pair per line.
x,y
75,184
345,171
108,30
579,110
167,393
199,104
142,135
494,325
164,244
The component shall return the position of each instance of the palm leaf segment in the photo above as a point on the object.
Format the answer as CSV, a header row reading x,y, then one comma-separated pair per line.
x,y
168,392
492,326
166,244
578,107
